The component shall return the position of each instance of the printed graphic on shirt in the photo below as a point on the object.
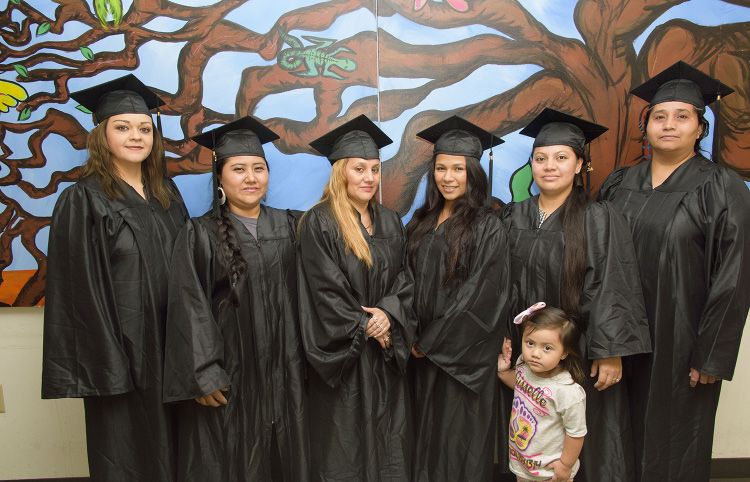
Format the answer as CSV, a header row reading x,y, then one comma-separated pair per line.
x,y
538,397
522,424
531,465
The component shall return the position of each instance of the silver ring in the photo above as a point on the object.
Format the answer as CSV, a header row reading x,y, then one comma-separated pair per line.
x,y
375,319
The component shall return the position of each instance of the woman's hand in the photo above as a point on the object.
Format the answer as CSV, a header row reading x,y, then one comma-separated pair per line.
x,y
609,370
215,399
503,359
697,376
379,324
385,340
416,352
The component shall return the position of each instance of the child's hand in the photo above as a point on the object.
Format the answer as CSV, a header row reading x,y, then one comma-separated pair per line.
x,y
562,471
503,360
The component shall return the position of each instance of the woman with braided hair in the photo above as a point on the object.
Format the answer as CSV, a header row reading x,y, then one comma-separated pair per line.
x,y
233,353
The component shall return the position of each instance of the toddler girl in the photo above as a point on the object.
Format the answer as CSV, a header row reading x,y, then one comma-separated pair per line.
x,y
548,418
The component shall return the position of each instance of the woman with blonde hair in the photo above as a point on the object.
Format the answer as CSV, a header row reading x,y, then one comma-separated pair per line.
x,y
355,295
110,247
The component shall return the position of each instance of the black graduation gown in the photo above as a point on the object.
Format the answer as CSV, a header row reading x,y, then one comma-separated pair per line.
x,y
254,349
614,322
360,424
104,317
692,239
461,329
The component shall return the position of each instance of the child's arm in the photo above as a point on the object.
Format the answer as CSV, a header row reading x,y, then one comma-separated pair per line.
x,y
564,465
504,371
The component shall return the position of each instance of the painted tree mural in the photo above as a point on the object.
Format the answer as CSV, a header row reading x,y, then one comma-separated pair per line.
x,y
306,68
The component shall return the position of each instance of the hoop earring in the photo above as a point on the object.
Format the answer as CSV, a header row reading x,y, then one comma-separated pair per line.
x,y
222,196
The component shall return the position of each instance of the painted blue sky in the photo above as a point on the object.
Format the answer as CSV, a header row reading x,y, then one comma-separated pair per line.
x,y
297,180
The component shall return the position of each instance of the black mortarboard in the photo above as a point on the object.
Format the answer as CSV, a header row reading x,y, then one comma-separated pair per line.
x,y
359,137
554,128
682,83
243,137
126,95
459,137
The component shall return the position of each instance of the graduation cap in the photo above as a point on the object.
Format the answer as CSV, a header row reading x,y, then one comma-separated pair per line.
x,y
459,137
359,137
243,137
555,128
682,83
126,95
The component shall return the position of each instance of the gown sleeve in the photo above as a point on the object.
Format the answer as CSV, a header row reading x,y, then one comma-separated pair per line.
x,y
726,203
467,339
398,306
611,184
612,296
83,353
194,348
331,319
512,331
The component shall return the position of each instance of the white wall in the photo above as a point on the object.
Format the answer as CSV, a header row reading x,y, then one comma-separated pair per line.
x,y
46,438
38,438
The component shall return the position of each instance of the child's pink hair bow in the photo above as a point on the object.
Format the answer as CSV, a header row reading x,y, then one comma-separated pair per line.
x,y
536,306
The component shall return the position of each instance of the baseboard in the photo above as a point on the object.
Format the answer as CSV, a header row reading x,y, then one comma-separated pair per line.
x,y
720,469
730,468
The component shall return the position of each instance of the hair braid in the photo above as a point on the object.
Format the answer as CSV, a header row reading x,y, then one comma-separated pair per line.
x,y
230,250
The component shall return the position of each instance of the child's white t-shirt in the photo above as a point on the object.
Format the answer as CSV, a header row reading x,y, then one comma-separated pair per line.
x,y
544,410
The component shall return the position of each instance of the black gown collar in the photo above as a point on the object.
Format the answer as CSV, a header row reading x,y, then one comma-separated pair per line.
x,y
686,178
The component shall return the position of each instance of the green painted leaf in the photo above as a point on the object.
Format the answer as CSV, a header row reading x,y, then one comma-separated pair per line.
x,y
15,2
87,53
21,70
24,114
520,183
83,109
43,28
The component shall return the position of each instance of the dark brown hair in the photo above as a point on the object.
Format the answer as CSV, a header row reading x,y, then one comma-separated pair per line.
x,y
550,318
230,246
100,164
572,214
460,228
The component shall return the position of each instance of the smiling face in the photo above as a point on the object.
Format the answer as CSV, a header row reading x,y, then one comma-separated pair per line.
x,y
245,182
450,176
130,138
542,351
673,127
554,169
362,180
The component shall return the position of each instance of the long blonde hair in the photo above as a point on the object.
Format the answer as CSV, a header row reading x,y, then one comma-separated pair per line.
x,y
335,194
100,164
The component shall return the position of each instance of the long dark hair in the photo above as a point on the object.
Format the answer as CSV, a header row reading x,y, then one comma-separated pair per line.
x,y
230,246
550,318
460,227
574,257
100,165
